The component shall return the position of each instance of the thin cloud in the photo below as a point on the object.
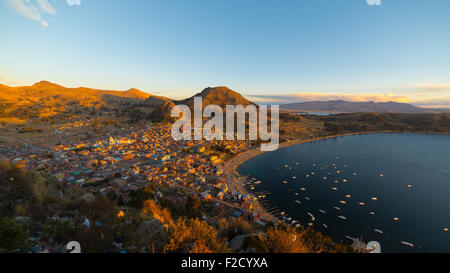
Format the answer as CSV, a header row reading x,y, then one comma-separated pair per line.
x,y
311,96
46,6
33,11
36,9
433,87
435,102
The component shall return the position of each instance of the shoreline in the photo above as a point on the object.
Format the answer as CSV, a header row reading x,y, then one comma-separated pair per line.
x,y
236,180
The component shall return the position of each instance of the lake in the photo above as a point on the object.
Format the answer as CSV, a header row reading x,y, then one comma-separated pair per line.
x,y
396,183
316,113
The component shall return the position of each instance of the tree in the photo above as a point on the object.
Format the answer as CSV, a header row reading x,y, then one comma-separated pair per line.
x,y
12,236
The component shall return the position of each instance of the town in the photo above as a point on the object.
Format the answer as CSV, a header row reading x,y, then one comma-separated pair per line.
x,y
136,158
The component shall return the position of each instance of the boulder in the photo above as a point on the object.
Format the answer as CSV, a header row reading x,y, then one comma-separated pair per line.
x,y
236,242
153,232
88,197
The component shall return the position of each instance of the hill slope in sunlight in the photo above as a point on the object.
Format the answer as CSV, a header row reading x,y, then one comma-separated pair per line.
x,y
45,100
221,96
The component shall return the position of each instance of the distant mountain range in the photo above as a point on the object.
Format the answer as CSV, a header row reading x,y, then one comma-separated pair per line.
x,y
341,106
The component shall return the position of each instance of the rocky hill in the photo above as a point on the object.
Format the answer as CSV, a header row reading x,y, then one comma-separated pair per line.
x,y
221,96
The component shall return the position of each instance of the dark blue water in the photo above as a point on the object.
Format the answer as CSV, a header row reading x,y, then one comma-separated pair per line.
x,y
419,160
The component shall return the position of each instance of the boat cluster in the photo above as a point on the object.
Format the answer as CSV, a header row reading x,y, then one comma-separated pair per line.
x,y
325,176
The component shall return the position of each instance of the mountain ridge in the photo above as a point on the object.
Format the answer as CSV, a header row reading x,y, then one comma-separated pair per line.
x,y
342,106
51,101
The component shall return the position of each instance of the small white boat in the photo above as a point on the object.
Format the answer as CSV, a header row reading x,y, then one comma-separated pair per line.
x,y
407,243
311,215
372,213
342,217
348,196
307,198
284,182
337,208
334,188
322,211
374,198
361,203
302,189
297,201
378,231
344,180
294,177
298,225
343,202
325,226
257,182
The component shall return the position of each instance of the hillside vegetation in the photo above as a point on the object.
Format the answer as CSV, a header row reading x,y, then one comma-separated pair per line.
x,y
38,214
47,101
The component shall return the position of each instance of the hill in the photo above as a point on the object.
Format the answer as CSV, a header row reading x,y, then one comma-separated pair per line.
x,y
341,106
46,100
50,102
221,96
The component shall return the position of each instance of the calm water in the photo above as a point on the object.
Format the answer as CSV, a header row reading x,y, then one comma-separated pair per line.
x,y
419,160
316,113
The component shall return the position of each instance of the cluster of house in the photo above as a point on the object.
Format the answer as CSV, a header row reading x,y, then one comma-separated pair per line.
x,y
132,159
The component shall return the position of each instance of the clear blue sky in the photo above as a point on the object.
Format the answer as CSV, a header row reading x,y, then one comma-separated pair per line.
x,y
303,49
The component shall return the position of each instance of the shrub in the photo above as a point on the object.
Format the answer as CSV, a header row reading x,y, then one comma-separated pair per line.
x,y
162,214
12,236
194,236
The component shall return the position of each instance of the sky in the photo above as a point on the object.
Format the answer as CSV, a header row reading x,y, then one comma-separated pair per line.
x,y
269,51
